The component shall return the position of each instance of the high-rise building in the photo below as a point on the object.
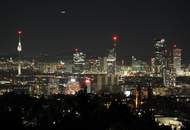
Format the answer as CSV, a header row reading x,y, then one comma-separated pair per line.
x,y
173,67
111,62
79,61
112,57
160,57
176,58
169,77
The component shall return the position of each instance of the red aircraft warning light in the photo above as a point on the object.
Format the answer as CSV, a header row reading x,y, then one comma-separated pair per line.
x,y
115,38
19,32
87,81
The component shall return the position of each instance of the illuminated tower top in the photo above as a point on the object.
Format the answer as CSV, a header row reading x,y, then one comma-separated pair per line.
x,y
115,39
19,47
160,51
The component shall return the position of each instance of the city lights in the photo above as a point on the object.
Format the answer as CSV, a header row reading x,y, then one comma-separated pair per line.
x,y
96,65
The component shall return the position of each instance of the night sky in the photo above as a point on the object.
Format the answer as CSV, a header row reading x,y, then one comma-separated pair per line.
x,y
89,25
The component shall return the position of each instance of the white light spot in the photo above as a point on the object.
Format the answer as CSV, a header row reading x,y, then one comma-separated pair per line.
x,y
63,12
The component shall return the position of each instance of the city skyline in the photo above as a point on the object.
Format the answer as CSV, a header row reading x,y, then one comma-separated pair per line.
x,y
58,27
100,64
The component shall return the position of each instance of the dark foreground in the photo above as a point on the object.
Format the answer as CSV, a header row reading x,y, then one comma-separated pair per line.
x,y
82,112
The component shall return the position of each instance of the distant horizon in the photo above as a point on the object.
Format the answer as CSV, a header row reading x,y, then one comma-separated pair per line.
x,y
127,59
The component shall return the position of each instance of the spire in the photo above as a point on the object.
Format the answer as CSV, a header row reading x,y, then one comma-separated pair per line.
x,y
19,48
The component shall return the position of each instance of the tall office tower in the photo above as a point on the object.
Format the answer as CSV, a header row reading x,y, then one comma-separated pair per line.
x,y
173,67
176,59
111,62
112,57
160,57
169,78
79,61
19,49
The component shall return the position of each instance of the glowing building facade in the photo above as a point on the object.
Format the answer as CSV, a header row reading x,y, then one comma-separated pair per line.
x,y
112,57
160,57
79,61
176,59
111,62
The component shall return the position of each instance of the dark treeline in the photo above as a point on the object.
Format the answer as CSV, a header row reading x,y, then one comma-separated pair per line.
x,y
84,112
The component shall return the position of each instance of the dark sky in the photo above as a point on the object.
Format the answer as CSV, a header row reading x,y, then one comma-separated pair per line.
x,y
89,25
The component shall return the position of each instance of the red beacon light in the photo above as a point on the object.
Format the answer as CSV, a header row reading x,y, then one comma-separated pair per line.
x,y
87,81
19,32
114,38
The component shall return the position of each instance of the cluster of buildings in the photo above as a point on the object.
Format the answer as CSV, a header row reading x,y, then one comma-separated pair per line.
x,y
95,74
106,71
166,62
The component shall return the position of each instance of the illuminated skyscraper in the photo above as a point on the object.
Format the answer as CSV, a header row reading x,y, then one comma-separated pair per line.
x,y
173,66
169,77
112,57
79,61
160,57
111,62
176,58
111,78
19,49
